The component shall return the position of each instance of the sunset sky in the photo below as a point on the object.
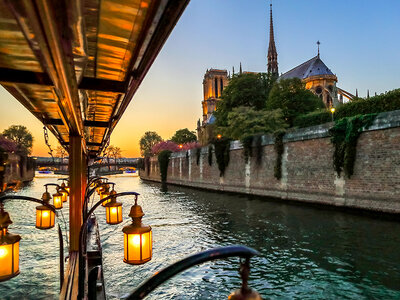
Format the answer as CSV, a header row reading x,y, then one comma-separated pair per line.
x,y
359,42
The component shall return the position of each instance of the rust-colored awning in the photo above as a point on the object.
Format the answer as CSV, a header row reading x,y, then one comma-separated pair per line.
x,y
76,64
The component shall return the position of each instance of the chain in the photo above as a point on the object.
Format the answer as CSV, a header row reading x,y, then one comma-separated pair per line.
x,y
105,147
244,271
46,140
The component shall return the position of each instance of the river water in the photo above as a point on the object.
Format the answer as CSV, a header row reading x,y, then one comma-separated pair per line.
x,y
305,252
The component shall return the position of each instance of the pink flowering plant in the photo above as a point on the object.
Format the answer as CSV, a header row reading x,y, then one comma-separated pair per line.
x,y
7,145
164,145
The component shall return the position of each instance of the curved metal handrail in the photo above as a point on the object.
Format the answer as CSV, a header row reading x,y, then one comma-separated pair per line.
x,y
9,197
217,253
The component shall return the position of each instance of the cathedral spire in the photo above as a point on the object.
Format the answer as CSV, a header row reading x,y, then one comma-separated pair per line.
x,y
272,54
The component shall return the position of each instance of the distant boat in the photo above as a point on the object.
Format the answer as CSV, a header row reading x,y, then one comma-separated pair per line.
x,y
45,171
131,171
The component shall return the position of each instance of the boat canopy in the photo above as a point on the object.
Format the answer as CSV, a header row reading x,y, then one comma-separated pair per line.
x,y
76,64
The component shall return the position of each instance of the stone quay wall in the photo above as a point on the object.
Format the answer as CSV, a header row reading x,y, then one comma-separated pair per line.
x,y
307,169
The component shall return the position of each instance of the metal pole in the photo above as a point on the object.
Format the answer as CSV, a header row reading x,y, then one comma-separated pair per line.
x,y
76,189
61,243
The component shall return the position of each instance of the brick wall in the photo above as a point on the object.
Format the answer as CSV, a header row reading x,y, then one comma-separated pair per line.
x,y
307,169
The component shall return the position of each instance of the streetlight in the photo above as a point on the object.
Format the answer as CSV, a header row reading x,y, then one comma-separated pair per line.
x,y
332,111
137,238
9,248
219,136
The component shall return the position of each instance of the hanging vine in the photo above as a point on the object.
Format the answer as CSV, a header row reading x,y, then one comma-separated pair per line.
x,y
345,134
198,153
248,150
279,149
163,161
210,160
247,143
222,150
259,149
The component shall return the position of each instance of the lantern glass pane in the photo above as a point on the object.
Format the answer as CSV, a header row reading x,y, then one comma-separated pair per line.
x,y
57,201
64,196
126,247
45,219
16,257
146,244
6,260
114,214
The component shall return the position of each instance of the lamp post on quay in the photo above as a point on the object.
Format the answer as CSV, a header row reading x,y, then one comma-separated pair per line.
x,y
332,112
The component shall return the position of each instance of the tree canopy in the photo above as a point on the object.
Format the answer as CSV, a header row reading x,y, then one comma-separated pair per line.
x,y
247,89
183,136
246,121
147,141
21,136
291,96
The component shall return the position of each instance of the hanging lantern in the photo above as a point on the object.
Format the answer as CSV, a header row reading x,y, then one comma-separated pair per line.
x,y
137,238
113,210
45,217
64,192
101,187
9,249
104,194
57,200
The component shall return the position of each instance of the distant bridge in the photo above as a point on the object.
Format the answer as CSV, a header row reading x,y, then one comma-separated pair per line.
x,y
62,163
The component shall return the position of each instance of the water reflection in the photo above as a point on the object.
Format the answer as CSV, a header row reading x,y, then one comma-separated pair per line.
x,y
305,252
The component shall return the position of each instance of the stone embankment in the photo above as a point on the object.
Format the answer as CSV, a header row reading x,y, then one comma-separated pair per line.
x,y
307,169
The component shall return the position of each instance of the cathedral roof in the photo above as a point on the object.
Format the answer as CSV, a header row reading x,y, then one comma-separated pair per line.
x,y
312,67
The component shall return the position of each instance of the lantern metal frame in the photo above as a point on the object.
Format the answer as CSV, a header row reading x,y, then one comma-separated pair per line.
x,y
53,209
82,243
137,228
209,255
89,192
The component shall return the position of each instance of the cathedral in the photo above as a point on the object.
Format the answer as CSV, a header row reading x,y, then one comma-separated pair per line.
x,y
316,76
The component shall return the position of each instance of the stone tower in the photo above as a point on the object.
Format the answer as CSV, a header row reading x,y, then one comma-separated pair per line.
x,y
272,54
214,83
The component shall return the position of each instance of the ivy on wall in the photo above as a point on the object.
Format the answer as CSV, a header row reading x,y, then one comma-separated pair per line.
x,y
345,134
222,150
279,148
163,161
198,153
247,143
210,160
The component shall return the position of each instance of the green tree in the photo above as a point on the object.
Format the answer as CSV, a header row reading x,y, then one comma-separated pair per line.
x,y
246,121
21,136
147,141
183,136
248,89
291,96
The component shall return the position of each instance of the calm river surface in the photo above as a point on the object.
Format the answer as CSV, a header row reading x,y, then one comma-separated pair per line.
x,y
306,253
